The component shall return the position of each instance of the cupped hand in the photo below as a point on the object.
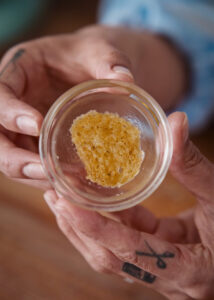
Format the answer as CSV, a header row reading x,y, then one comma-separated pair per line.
x,y
175,256
33,74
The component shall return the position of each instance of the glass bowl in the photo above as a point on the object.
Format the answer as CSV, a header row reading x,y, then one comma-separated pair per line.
x,y
62,164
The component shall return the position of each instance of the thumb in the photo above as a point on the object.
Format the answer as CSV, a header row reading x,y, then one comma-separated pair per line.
x,y
109,62
188,165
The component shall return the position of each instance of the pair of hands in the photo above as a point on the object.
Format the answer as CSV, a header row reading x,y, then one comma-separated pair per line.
x,y
164,254
35,73
174,256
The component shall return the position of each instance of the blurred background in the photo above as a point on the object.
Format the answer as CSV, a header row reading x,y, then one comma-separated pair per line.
x,y
36,261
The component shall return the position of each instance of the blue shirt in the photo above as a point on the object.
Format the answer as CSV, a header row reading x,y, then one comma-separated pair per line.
x,y
190,25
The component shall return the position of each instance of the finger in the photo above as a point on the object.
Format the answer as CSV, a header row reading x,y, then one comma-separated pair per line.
x,y
98,257
104,261
138,218
141,249
188,165
71,236
174,230
19,163
101,60
105,61
50,199
127,269
16,115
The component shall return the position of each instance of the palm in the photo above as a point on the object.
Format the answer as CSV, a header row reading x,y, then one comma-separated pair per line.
x,y
40,91
41,87
38,81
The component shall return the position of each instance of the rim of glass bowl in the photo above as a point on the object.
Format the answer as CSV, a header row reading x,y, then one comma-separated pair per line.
x,y
56,181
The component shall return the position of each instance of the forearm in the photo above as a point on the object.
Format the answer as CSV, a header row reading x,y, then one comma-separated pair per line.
x,y
161,70
157,66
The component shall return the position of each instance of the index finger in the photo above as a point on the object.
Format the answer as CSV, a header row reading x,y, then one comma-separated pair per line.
x,y
144,250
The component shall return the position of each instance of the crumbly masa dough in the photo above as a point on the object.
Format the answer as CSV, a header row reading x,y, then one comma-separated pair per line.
x,y
108,146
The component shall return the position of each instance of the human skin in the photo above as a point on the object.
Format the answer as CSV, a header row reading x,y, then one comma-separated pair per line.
x,y
163,254
174,256
34,73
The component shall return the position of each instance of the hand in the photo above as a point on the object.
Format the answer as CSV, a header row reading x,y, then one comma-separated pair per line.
x,y
175,256
33,74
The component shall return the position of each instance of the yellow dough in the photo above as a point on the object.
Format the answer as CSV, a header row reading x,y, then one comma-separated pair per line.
x,y
108,146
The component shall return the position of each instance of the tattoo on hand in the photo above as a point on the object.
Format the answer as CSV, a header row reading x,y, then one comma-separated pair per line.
x,y
138,273
13,60
160,261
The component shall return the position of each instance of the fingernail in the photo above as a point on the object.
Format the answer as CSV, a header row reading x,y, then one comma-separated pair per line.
x,y
50,202
27,125
34,170
123,70
185,128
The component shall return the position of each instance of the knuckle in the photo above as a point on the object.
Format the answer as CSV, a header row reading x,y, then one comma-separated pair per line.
x,y
103,264
129,254
7,166
63,225
87,230
102,261
192,157
131,257
113,55
138,261
91,229
117,57
99,268
106,262
7,120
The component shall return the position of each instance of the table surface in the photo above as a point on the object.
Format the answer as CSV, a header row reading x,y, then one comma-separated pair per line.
x,y
36,261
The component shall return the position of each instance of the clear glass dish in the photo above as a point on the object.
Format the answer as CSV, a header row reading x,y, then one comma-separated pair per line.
x,y
64,168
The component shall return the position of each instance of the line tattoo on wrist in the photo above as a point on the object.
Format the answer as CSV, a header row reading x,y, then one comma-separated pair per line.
x,y
13,60
138,273
160,257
